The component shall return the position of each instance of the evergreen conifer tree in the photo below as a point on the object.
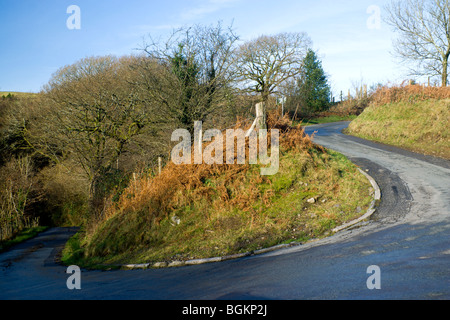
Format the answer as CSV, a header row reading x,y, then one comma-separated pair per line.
x,y
313,85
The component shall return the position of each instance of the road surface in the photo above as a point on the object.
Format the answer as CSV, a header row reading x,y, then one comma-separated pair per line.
x,y
408,239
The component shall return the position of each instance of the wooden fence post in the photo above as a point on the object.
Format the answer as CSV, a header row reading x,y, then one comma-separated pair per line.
x,y
260,121
261,116
198,141
160,164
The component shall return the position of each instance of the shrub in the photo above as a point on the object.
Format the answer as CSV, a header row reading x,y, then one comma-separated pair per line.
x,y
409,93
17,196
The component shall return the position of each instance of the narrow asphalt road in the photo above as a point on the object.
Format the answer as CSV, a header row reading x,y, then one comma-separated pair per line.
x,y
408,239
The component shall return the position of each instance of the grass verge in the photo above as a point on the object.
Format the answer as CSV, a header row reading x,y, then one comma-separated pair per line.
x,y
200,211
327,119
21,237
340,195
420,126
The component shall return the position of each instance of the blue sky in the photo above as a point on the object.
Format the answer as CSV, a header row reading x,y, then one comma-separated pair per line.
x,y
35,40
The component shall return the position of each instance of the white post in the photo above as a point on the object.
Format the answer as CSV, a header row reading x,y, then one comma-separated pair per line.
x,y
260,121
198,142
261,116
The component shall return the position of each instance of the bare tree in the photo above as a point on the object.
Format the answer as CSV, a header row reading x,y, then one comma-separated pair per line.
x,y
198,61
96,113
424,35
267,62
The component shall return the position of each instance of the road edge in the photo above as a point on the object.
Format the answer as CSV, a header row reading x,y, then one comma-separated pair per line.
x,y
372,208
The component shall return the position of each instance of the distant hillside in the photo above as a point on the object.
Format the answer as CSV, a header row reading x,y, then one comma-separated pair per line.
x,y
18,94
412,117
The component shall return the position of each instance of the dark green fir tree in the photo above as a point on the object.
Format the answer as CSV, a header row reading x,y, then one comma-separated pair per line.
x,y
314,88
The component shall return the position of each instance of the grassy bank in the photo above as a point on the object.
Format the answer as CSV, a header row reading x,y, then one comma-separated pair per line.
x,y
201,211
415,121
21,237
326,119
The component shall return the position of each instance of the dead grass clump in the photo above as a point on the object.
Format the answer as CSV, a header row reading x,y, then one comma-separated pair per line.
x,y
409,93
291,138
351,107
187,183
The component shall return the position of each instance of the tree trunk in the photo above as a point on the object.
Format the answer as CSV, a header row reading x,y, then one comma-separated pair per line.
x,y
265,95
96,196
445,71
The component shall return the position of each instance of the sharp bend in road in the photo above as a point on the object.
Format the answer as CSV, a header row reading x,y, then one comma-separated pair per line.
x,y
408,239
